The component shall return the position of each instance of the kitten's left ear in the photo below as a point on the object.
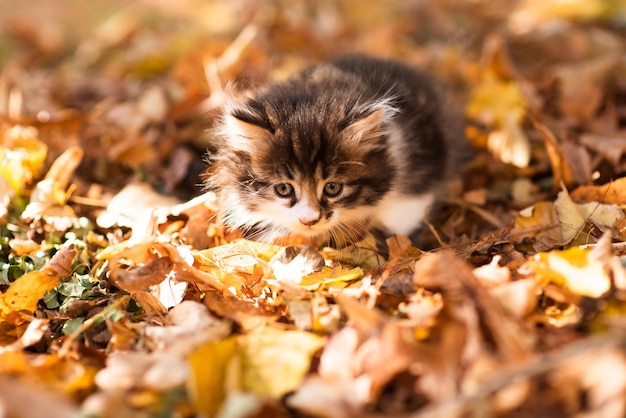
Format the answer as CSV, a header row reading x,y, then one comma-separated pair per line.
x,y
242,135
370,128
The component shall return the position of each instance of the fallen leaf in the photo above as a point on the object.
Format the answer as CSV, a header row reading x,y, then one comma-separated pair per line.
x,y
24,293
22,154
211,369
561,167
613,192
48,198
30,400
274,362
538,220
330,277
576,269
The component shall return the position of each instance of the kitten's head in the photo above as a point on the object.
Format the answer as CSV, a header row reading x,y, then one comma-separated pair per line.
x,y
309,163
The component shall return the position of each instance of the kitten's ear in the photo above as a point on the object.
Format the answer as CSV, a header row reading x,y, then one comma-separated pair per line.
x,y
370,128
241,135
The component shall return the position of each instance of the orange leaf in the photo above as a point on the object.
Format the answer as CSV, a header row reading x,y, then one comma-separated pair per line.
x,y
25,292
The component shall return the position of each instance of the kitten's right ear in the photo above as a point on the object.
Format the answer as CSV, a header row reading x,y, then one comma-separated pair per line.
x,y
369,129
241,135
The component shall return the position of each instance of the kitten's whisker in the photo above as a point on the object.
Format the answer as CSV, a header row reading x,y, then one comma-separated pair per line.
x,y
359,163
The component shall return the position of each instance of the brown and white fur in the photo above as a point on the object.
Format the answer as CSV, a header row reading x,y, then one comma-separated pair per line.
x,y
351,145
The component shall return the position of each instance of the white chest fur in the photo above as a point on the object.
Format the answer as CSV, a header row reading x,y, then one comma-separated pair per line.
x,y
400,213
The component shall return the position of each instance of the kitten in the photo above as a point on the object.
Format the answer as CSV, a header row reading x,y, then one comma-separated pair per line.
x,y
350,145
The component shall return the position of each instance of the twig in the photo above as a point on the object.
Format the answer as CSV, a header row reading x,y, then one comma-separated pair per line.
x,y
489,217
434,232
616,247
234,50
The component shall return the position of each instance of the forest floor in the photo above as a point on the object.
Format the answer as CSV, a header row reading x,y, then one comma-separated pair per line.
x,y
121,295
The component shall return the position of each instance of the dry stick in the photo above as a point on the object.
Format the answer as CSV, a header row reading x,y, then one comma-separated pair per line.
x,y
434,232
65,348
492,219
88,201
230,56
617,247
213,66
533,367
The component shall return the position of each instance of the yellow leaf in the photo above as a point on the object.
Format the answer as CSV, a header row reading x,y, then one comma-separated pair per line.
x,y
612,192
25,292
510,145
575,269
329,275
496,102
275,362
13,362
570,218
22,156
238,265
209,369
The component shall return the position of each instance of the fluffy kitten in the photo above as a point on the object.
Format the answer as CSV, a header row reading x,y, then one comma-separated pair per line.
x,y
350,145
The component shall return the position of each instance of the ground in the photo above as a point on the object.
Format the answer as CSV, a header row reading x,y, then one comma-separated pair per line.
x,y
122,295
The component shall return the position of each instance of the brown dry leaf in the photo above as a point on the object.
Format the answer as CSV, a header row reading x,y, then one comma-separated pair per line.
x,y
201,212
353,372
328,398
383,356
23,399
518,297
25,292
539,220
187,326
561,167
141,266
33,334
363,254
599,374
240,266
579,161
129,370
581,85
422,309
574,217
610,193
151,263
249,315
465,298
611,146
475,331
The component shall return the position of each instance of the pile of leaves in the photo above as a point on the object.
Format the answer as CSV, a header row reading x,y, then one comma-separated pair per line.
x,y
122,295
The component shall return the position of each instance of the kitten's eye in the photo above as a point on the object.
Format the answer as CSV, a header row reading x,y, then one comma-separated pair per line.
x,y
332,189
284,190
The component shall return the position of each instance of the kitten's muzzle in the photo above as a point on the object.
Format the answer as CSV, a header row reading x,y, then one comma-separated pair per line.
x,y
309,221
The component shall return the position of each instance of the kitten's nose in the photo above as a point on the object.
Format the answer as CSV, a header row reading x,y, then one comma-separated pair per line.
x,y
309,221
